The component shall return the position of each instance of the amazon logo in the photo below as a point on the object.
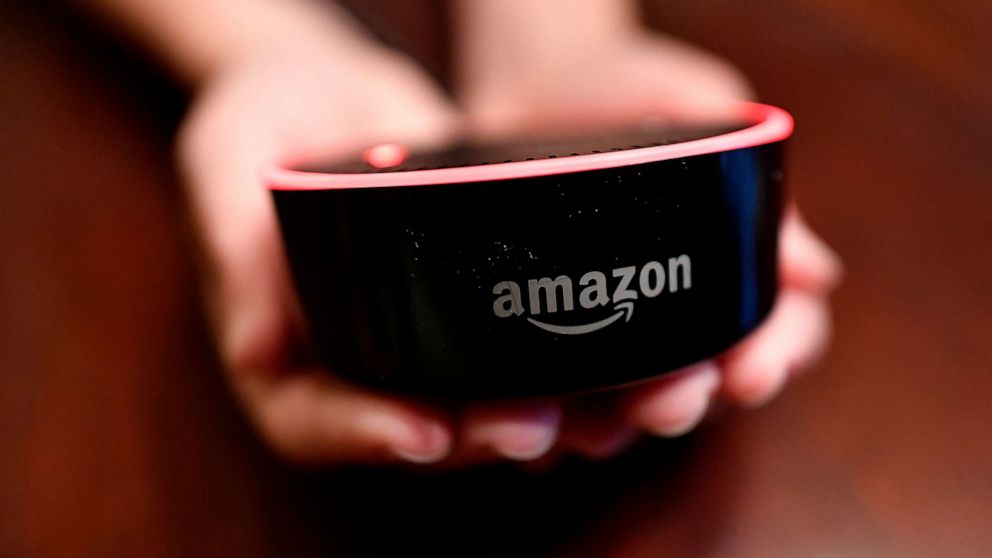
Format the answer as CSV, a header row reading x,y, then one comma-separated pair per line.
x,y
547,297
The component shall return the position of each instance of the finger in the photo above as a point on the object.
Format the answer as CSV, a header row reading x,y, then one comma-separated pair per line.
x,y
674,405
222,150
694,74
314,418
246,275
791,339
595,426
519,430
806,261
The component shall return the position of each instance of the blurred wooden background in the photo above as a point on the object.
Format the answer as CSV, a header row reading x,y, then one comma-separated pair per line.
x,y
118,439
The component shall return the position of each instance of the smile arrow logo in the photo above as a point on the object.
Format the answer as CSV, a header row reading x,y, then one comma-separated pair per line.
x,y
622,308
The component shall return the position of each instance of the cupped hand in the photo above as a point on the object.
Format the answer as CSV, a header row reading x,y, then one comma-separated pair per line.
x,y
256,110
282,102
644,75
309,99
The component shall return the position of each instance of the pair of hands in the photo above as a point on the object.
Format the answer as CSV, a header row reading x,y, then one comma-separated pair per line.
x,y
312,97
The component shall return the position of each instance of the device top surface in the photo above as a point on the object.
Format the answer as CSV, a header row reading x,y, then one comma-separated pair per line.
x,y
391,158
394,165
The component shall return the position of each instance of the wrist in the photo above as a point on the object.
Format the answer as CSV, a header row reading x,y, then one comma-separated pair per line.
x,y
524,41
281,31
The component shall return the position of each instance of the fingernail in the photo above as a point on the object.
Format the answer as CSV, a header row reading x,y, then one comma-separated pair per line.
x,y
527,437
423,442
762,393
620,440
685,408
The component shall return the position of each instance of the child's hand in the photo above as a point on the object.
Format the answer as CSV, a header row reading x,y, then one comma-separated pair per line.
x,y
311,100
283,102
644,74
274,104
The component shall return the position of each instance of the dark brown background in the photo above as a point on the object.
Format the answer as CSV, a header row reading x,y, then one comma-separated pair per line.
x,y
117,438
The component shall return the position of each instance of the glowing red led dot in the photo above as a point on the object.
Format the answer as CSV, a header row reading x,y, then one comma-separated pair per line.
x,y
385,155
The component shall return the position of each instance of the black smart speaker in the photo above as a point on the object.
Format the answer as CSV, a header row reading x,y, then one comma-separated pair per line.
x,y
537,267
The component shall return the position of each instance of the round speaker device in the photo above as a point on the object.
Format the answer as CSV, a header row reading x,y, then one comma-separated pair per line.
x,y
537,266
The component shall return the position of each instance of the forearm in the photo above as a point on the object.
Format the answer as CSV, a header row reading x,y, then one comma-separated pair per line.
x,y
195,38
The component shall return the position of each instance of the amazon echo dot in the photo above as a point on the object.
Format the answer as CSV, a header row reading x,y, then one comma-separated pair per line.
x,y
536,266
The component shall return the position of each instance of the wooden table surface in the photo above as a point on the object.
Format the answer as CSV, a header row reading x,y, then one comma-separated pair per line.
x,y
117,437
